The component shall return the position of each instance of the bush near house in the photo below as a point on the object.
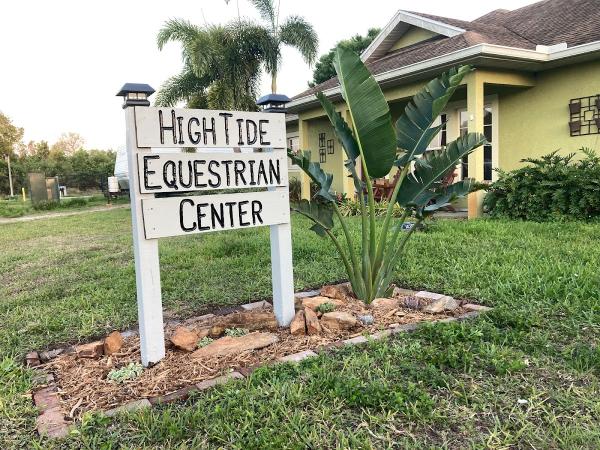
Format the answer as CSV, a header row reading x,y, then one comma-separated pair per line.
x,y
553,187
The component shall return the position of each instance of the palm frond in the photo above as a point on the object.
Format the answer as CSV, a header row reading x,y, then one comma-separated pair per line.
x,y
414,130
177,30
182,87
425,177
266,8
298,33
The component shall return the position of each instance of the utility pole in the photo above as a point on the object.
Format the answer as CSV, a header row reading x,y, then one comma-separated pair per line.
x,y
9,176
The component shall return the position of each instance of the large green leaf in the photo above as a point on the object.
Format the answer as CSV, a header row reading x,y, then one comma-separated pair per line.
x,y
320,213
426,177
342,130
314,171
414,129
370,113
444,196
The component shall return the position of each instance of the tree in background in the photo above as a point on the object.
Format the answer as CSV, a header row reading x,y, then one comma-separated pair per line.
x,y
221,65
10,136
294,31
324,69
74,166
68,143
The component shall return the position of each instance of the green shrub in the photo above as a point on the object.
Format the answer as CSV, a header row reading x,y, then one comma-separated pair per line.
x,y
325,307
553,187
128,372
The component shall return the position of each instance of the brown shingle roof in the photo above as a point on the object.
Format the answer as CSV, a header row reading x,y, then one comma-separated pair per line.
x,y
547,22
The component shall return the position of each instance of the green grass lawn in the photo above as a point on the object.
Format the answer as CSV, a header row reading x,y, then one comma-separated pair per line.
x,y
18,208
525,375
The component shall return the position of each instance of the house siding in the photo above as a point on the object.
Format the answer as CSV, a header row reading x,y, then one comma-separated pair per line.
x,y
534,122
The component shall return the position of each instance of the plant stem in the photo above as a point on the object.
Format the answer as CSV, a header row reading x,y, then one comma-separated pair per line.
x,y
356,267
393,261
343,256
387,220
390,249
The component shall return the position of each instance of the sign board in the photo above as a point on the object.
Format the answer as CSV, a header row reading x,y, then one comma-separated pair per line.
x,y
177,176
182,172
172,127
177,216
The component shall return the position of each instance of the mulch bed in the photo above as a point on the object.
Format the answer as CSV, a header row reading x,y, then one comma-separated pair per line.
x,y
83,384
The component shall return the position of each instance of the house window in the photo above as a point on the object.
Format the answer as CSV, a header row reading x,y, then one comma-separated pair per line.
x,y
294,143
439,141
330,147
322,155
487,149
321,140
463,128
443,131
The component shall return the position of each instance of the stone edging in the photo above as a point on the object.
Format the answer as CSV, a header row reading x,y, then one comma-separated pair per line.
x,y
51,420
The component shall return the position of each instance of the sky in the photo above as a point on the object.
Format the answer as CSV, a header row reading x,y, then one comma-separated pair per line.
x,y
63,61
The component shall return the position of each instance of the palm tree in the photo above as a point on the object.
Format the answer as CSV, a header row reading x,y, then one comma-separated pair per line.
x,y
221,64
295,31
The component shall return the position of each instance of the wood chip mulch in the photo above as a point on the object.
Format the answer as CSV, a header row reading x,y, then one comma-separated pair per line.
x,y
83,384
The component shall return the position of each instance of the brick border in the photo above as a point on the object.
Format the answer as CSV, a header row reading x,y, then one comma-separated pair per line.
x,y
51,421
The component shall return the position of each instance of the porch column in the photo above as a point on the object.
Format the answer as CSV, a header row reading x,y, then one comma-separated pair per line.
x,y
348,183
475,105
303,135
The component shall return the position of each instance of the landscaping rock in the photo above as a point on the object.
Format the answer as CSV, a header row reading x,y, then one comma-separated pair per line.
x,y
113,343
366,319
312,322
443,304
134,405
413,302
341,292
207,384
50,354
216,331
252,320
399,292
385,303
314,302
474,307
256,305
297,357
185,339
338,320
51,423
228,345
298,324
429,297
91,350
32,359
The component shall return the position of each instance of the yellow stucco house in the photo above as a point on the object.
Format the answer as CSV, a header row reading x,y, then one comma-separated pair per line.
x,y
535,87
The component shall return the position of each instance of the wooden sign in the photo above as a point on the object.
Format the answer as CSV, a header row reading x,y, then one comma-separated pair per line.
x,y
170,174
177,216
184,172
172,127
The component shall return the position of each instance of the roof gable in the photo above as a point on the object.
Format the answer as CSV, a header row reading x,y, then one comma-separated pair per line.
x,y
400,24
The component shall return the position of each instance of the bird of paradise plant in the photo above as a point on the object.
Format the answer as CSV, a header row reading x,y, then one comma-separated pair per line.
x,y
371,142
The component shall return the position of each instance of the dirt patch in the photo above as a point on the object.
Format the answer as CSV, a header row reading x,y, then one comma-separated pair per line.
x,y
83,383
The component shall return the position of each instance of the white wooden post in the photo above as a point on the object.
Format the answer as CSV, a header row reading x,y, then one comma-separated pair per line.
x,y
282,268
147,266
